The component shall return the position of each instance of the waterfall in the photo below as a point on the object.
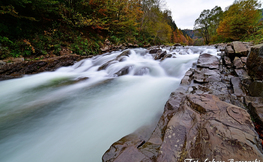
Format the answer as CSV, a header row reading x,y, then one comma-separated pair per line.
x,y
75,113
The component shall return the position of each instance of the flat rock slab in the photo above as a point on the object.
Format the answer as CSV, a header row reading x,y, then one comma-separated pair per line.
x,y
206,75
240,48
242,74
208,61
236,84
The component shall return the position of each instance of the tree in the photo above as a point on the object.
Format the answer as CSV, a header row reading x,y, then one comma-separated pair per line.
x,y
207,23
240,19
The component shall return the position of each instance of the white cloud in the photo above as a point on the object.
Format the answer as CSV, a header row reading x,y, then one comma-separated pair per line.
x,y
187,11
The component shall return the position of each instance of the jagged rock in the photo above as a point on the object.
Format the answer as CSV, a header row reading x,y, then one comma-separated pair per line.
x,y
240,49
124,71
229,51
187,77
124,53
156,50
255,107
205,75
196,127
160,55
107,64
129,144
18,69
227,62
242,74
244,60
255,62
238,63
208,61
256,89
167,56
236,84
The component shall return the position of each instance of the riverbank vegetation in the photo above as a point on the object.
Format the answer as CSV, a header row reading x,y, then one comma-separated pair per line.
x,y
39,27
241,21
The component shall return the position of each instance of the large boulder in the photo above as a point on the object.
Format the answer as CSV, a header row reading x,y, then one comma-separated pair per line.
x,y
256,89
255,62
199,127
208,61
229,51
255,107
240,49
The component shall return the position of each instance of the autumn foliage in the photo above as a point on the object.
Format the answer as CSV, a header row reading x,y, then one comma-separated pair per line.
x,y
240,19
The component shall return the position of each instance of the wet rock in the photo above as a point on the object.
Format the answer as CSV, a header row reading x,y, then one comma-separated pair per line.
x,y
240,49
244,60
255,62
229,51
200,127
125,150
238,63
236,84
124,53
18,69
242,74
177,44
187,77
220,131
107,64
255,107
206,75
160,55
124,71
256,89
167,56
156,50
208,61
227,62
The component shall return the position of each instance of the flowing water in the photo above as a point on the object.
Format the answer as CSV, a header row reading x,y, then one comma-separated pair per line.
x,y
75,113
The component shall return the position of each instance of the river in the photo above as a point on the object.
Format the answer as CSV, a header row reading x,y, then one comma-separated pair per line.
x,y
75,113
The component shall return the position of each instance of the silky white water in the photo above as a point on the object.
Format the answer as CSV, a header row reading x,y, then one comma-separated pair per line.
x,y
75,113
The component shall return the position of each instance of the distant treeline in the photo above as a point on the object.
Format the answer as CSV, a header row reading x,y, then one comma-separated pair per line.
x,y
240,21
45,26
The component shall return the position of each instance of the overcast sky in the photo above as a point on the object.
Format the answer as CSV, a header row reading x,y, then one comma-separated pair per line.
x,y
185,12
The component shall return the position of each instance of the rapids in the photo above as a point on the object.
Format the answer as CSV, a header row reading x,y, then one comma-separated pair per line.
x,y
75,113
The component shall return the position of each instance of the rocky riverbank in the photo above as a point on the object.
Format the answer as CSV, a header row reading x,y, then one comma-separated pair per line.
x,y
211,116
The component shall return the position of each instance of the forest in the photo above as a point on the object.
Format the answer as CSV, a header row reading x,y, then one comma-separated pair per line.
x,y
37,27
40,27
240,21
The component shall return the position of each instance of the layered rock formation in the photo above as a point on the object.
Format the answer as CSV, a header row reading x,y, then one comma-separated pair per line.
x,y
18,68
207,118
